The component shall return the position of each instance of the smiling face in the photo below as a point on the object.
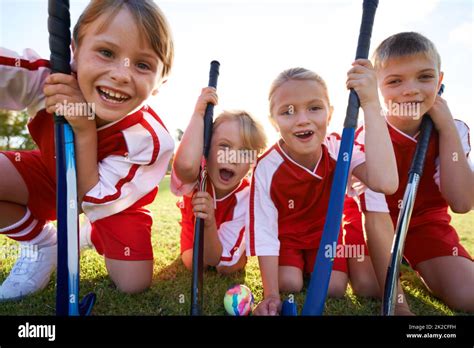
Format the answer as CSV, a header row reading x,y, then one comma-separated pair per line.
x,y
117,69
411,80
226,171
301,112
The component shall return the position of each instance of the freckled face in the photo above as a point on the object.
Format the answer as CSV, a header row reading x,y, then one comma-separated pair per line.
x,y
117,69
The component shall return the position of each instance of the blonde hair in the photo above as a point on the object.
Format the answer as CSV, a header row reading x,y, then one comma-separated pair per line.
x,y
300,74
251,131
149,18
405,44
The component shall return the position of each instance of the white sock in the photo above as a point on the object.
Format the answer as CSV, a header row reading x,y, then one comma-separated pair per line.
x,y
47,237
27,226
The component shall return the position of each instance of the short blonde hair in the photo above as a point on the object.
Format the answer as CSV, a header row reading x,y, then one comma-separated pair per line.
x,y
405,44
251,131
149,18
300,74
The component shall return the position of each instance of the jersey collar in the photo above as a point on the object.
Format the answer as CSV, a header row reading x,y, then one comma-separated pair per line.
x,y
316,172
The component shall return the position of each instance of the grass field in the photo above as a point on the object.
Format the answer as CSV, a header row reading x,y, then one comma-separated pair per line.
x,y
170,292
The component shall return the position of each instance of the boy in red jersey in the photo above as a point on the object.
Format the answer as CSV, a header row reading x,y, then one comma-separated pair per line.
x,y
408,71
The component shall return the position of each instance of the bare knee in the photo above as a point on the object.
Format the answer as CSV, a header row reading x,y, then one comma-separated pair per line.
x,y
363,279
337,290
133,286
337,284
290,285
290,279
449,278
461,300
187,258
226,270
12,186
130,277
365,286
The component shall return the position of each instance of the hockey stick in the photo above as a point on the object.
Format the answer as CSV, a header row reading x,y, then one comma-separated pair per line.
x,y
318,286
403,222
67,291
198,245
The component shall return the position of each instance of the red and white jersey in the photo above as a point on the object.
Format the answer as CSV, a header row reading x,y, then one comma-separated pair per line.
x,y
133,152
230,212
21,80
429,203
288,202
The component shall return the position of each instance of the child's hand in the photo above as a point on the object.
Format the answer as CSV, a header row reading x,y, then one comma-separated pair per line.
x,y
363,80
269,306
440,113
203,207
64,97
208,95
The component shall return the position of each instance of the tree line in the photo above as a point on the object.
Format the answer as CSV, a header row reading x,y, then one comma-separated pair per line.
x,y
13,131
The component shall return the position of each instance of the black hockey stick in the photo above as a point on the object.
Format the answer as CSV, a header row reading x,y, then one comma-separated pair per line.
x,y
198,246
414,177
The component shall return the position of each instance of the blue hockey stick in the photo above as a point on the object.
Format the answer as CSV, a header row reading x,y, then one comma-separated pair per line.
x,y
198,245
318,287
67,292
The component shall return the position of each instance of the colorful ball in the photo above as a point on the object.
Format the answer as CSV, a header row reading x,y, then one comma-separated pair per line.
x,y
238,300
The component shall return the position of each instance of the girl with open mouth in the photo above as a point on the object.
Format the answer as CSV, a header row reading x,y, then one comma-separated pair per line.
x,y
224,207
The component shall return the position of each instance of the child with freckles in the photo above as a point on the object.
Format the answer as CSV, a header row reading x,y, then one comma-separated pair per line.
x,y
122,53
237,139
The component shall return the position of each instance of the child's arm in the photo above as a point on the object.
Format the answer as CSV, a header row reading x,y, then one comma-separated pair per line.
x,y
203,207
62,88
379,237
379,172
21,80
271,304
262,236
456,176
187,161
86,161
115,182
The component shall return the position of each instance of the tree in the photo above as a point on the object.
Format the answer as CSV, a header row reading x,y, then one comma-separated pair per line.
x,y
13,131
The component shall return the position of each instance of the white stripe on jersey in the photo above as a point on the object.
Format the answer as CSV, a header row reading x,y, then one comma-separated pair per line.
x,y
265,223
229,231
22,88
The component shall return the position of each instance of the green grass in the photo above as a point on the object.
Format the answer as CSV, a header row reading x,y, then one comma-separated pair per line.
x,y
170,292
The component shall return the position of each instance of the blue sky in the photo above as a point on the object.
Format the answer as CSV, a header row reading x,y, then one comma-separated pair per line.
x,y
254,40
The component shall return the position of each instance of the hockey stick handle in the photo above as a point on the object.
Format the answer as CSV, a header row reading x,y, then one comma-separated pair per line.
x,y
213,76
197,271
365,33
59,22
319,283
363,46
421,149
